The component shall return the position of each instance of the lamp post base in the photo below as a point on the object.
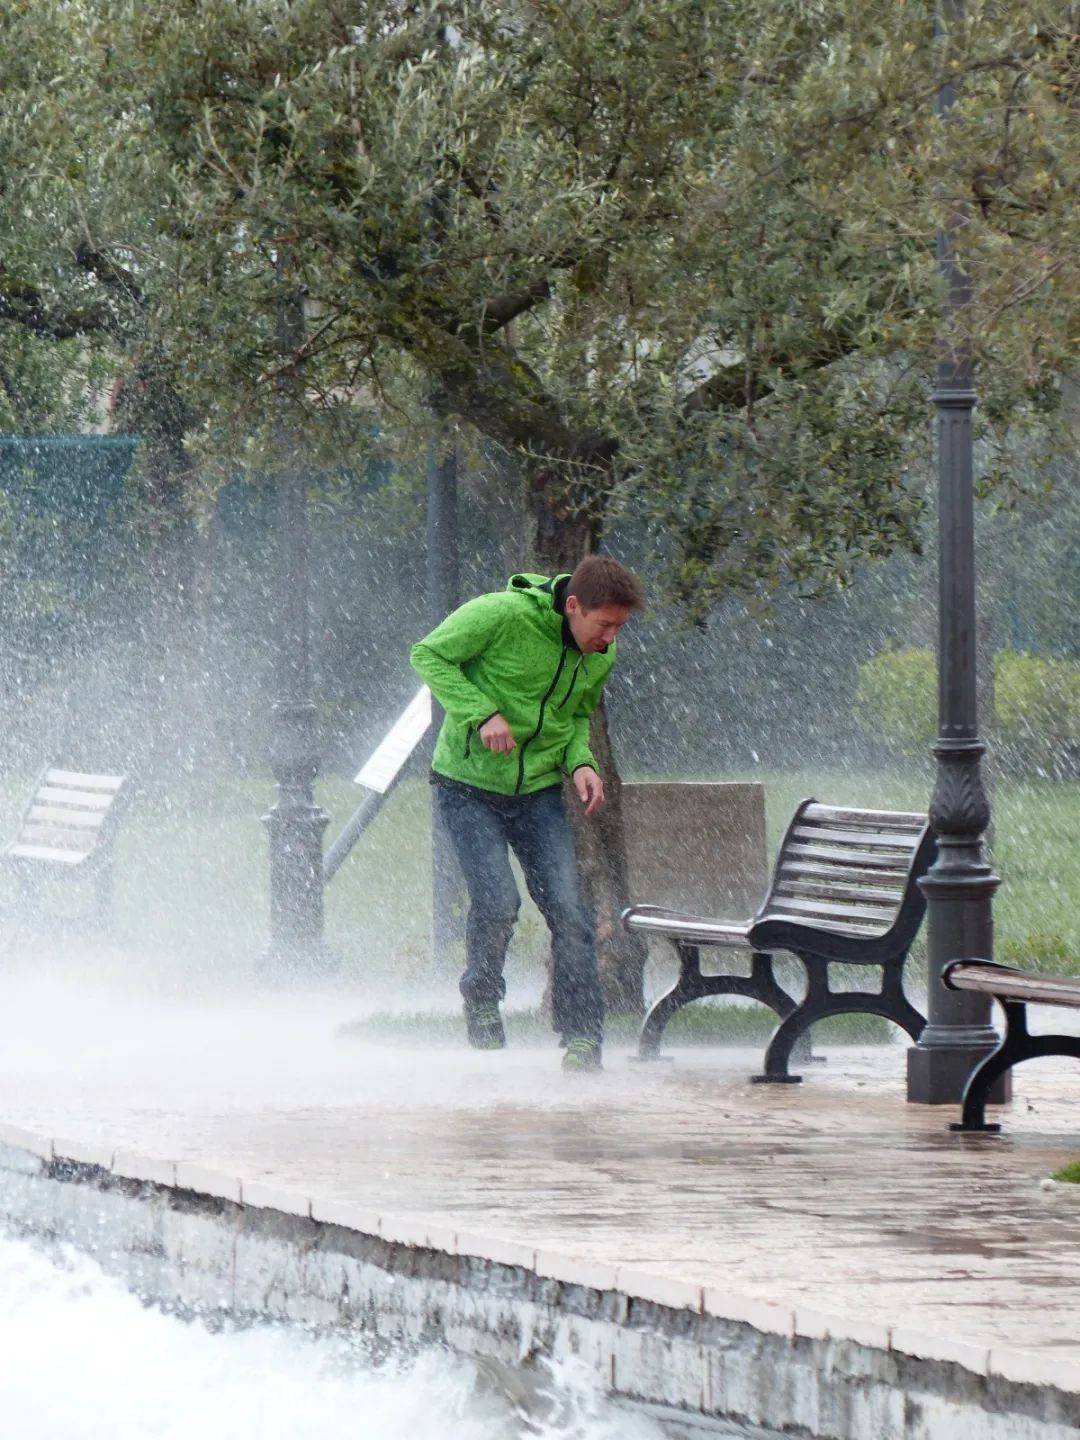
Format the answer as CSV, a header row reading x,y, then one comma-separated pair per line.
x,y
297,949
937,1074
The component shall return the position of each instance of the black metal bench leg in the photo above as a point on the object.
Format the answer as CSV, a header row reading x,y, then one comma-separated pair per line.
x,y
778,1052
764,986
685,989
1016,1045
896,1006
761,985
820,1002
768,991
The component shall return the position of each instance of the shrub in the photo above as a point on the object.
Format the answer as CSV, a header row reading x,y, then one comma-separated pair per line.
x,y
1037,711
896,699
1036,707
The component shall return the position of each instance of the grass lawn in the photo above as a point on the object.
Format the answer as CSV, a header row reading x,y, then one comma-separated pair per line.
x,y
702,1024
192,873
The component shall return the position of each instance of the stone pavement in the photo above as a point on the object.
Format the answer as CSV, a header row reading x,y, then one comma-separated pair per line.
x,y
834,1195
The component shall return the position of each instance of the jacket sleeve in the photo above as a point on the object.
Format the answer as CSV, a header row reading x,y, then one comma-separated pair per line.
x,y
439,657
579,752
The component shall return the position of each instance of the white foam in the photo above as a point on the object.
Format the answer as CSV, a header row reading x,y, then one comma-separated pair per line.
x,y
82,1359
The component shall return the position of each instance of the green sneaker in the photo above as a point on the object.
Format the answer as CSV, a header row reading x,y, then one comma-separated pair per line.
x,y
484,1027
582,1054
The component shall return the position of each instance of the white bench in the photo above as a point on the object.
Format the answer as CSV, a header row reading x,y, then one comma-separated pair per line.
x,y
68,829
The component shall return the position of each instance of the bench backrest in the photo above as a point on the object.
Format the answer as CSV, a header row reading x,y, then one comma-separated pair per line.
x,y
70,817
850,872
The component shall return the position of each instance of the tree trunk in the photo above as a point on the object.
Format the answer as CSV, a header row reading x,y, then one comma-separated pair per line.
x,y
557,541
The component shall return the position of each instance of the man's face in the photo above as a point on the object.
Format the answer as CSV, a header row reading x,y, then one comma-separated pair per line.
x,y
594,630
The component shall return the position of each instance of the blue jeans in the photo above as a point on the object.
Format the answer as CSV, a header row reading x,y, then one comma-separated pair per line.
x,y
484,827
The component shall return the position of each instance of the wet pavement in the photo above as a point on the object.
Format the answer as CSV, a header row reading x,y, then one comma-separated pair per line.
x,y
834,1194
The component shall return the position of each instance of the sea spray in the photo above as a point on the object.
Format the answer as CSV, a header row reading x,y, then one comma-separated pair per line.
x,y
83,1359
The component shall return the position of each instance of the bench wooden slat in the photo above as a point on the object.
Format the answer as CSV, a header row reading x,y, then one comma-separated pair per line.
x,y
46,852
834,925
1017,984
69,819
795,885
58,835
827,910
830,871
862,858
902,842
76,780
81,799
881,819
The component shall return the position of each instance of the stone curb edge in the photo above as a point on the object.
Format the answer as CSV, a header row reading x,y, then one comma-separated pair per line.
x,y
1020,1366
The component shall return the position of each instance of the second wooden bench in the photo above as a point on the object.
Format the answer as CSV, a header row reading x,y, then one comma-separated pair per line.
x,y
1014,990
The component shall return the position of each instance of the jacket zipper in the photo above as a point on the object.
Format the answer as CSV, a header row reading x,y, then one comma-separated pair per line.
x,y
468,740
540,722
573,681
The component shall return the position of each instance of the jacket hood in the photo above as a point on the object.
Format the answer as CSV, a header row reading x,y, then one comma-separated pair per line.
x,y
540,588
549,593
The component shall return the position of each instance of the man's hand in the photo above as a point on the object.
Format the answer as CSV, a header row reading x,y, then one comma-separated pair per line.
x,y
590,788
497,735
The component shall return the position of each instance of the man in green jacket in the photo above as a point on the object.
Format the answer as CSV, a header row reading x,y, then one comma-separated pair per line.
x,y
518,673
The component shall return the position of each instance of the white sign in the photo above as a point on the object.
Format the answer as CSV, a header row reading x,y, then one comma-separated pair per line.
x,y
386,761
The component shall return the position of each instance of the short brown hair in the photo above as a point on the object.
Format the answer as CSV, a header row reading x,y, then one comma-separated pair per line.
x,y
601,580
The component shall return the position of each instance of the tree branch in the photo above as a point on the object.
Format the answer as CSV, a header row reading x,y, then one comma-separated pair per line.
x,y
500,312
23,305
108,272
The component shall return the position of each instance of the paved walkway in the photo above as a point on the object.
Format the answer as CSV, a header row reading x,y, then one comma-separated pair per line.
x,y
834,1194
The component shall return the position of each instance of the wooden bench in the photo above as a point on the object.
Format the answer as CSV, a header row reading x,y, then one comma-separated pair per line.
x,y
844,891
68,829
1014,990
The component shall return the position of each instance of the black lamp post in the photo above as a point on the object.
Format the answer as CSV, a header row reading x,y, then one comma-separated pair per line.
x,y
295,824
960,886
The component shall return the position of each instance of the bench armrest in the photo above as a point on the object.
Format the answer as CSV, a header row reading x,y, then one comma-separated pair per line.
x,y
1004,982
674,924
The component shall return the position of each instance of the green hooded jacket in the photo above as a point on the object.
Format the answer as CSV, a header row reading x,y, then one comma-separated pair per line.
x,y
512,653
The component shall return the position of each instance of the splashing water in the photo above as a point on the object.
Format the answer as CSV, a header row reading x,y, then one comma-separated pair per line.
x,y
84,1360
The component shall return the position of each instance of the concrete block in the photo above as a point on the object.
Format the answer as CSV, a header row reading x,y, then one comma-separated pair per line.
x,y
207,1182
813,1325
257,1196
440,1237
16,1137
697,846
497,1249
763,1315
1033,1367
28,1140
925,1345
131,1166
659,1289
571,1270
418,1232
85,1152
346,1214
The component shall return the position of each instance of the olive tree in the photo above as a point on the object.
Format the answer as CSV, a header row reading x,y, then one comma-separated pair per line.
x,y
675,258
